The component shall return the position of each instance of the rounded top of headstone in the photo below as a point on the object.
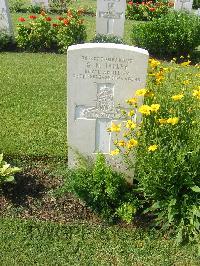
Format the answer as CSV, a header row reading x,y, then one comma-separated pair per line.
x,y
108,46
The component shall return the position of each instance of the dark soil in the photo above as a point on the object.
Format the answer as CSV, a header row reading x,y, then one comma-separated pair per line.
x,y
30,197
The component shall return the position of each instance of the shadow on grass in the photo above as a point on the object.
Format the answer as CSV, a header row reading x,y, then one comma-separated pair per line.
x,y
24,187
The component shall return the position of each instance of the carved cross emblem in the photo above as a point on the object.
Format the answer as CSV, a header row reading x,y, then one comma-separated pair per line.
x,y
111,15
104,112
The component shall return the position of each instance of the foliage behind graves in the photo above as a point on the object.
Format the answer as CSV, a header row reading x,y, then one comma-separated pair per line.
x,y
176,33
42,33
167,146
147,10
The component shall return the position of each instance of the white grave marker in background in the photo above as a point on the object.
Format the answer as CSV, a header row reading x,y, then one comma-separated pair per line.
x,y
110,17
43,3
183,5
100,77
5,20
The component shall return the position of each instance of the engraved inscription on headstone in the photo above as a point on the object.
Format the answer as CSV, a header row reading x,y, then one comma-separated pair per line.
x,y
183,5
101,77
110,17
5,20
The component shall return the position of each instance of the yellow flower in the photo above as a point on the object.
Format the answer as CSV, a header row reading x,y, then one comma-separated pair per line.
x,y
155,107
131,113
145,109
167,69
132,101
162,121
186,82
114,152
153,147
130,124
196,93
154,63
173,121
177,97
132,143
186,63
159,77
121,143
114,128
141,92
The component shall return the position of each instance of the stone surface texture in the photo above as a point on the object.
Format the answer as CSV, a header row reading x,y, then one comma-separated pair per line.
x,y
5,20
110,17
42,3
183,5
100,78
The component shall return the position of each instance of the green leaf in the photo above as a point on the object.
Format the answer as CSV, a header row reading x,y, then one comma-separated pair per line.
x,y
196,189
10,178
155,206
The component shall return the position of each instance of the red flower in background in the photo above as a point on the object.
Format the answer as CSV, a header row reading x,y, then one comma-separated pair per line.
x,y
21,19
66,21
32,17
48,18
130,3
60,18
170,4
152,9
55,25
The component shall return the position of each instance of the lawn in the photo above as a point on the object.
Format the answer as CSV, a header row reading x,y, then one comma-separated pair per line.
x,y
41,243
38,225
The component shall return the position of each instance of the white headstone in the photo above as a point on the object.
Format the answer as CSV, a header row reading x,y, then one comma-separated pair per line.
x,y
5,20
100,77
43,3
198,12
183,5
110,17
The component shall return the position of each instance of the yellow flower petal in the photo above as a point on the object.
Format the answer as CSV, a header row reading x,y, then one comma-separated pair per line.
x,y
177,97
155,107
114,152
153,147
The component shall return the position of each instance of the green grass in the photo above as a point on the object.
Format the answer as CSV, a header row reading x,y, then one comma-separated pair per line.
x,y
33,104
42,243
